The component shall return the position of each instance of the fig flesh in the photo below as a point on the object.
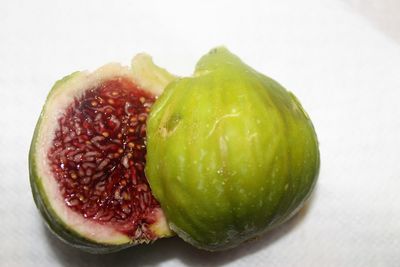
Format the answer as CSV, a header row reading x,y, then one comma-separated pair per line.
x,y
87,158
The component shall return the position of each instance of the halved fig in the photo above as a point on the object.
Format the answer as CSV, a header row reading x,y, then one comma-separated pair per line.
x,y
87,157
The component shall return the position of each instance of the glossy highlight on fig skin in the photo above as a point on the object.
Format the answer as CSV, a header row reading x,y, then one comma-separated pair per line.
x,y
98,157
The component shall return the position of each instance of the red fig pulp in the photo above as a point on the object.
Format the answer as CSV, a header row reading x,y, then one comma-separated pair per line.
x,y
88,155
98,157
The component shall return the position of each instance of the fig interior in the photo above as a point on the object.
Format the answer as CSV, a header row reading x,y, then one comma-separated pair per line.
x,y
98,157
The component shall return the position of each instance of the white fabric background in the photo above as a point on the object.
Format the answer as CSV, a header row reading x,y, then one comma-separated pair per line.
x,y
341,58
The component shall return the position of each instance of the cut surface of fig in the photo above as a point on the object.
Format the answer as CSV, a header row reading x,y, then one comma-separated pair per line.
x,y
88,155
98,157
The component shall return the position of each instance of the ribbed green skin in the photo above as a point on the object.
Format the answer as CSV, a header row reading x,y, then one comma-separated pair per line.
x,y
230,153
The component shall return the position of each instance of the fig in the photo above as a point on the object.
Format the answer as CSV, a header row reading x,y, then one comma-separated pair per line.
x,y
87,157
230,153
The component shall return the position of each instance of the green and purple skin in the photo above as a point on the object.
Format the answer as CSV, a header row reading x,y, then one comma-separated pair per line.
x,y
231,153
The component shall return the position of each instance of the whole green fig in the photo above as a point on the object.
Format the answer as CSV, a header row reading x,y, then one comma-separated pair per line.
x,y
231,153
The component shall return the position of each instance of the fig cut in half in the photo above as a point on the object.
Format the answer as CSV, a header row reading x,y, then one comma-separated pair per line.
x,y
87,157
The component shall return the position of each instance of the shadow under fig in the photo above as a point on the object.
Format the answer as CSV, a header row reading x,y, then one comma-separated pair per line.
x,y
172,249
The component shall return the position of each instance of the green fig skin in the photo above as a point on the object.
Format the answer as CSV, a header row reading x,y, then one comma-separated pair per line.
x,y
230,153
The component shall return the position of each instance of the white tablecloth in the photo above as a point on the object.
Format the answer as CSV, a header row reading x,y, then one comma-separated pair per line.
x,y
341,58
